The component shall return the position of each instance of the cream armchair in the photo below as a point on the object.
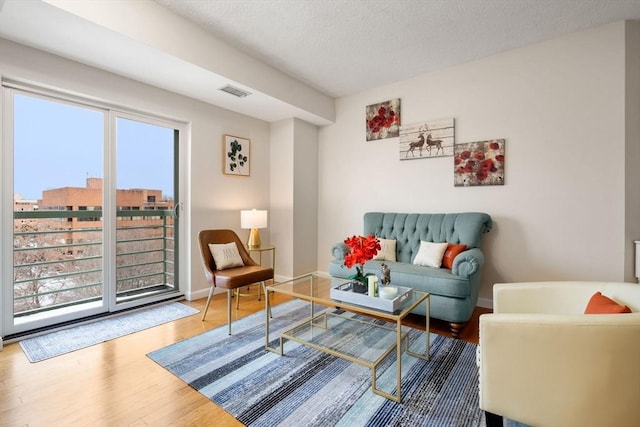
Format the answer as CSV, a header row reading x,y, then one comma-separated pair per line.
x,y
543,362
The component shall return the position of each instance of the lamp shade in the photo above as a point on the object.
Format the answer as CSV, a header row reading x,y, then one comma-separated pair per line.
x,y
253,219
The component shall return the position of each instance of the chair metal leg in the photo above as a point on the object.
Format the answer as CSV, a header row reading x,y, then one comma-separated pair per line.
x,y
229,292
206,307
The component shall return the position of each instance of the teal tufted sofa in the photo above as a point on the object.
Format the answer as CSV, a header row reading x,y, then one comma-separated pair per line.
x,y
454,293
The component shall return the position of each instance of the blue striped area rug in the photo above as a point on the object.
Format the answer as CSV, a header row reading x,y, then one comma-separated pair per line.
x,y
306,387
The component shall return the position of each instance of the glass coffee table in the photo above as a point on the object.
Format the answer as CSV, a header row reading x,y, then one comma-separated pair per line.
x,y
349,330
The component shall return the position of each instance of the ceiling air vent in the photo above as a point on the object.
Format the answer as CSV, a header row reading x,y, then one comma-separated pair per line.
x,y
235,91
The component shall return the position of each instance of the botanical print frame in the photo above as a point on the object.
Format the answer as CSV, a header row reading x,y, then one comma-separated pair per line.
x,y
383,120
236,155
427,139
479,163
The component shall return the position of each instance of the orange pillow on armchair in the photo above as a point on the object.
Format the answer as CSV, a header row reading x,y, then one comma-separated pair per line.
x,y
599,304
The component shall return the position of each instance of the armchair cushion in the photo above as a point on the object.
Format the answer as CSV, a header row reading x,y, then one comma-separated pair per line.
x,y
226,255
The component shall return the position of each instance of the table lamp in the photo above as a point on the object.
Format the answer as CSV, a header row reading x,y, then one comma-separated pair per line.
x,y
253,219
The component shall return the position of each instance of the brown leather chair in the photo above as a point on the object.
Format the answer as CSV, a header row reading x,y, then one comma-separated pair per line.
x,y
233,278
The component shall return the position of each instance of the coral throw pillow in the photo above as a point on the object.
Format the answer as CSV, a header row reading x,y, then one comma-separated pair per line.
x,y
451,252
599,304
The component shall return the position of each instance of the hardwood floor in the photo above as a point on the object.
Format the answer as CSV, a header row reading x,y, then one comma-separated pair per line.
x,y
115,384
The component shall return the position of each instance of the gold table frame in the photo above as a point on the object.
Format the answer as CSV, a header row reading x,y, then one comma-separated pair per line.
x,y
315,290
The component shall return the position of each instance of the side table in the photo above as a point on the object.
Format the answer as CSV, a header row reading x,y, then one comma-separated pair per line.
x,y
264,248
260,249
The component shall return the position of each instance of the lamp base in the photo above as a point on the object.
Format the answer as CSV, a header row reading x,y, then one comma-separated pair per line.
x,y
254,238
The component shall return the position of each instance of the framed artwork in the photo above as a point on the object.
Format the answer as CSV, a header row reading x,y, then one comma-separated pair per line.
x,y
479,163
427,139
383,120
236,155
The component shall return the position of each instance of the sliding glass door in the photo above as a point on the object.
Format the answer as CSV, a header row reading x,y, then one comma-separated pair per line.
x,y
145,221
94,224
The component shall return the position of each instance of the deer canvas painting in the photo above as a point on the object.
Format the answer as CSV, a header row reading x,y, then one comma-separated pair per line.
x,y
427,139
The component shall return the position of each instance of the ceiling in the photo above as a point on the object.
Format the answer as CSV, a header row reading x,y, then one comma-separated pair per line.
x,y
337,47
342,47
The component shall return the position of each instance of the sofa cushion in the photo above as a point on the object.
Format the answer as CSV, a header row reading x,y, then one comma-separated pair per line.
x,y
451,252
439,281
387,250
430,254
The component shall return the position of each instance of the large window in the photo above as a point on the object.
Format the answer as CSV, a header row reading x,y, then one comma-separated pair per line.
x,y
94,192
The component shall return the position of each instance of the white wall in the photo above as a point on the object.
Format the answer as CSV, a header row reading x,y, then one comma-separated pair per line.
x,y
305,198
632,156
215,200
294,196
560,105
281,211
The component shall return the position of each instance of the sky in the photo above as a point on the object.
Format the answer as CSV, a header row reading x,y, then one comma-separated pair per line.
x,y
61,145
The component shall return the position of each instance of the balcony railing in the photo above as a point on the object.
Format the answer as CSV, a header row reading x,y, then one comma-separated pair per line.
x,y
58,257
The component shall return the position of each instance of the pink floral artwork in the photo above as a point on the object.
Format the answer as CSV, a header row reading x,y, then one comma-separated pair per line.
x,y
383,120
479,163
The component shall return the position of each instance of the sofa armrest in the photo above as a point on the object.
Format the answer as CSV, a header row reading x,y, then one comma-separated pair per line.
x,y
467,262
339,250
568,370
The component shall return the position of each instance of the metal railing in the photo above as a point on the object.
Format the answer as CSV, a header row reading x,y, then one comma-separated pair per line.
x,y
58,260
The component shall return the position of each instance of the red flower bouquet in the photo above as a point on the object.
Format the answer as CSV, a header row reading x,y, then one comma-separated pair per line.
x,y
361,250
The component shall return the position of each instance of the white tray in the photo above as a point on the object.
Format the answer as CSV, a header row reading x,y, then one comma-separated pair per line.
x,y
344,293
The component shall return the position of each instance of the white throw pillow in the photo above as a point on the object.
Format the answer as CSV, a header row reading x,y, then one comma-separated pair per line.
x,y
430,254
387,250
226,255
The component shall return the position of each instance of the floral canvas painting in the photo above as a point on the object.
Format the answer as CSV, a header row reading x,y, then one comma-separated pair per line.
x,y
427,139
479,163
383,120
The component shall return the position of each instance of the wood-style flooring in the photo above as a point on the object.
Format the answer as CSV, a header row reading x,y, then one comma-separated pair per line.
x,y
115,384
